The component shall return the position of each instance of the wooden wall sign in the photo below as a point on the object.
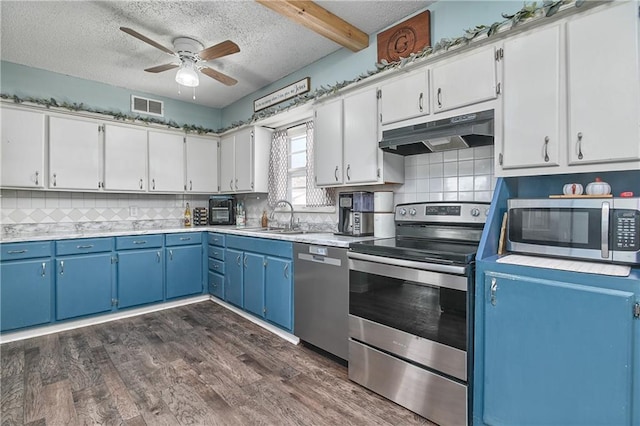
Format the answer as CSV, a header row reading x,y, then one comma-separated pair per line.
x,y
281,95
410,36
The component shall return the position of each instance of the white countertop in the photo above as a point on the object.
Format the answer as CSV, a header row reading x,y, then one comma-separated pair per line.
x,y
320,238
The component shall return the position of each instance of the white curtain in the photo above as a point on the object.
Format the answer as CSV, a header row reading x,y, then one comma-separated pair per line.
x,y
278,167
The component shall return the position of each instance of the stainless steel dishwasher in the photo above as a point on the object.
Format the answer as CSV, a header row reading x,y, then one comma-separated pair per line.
x,y
321,289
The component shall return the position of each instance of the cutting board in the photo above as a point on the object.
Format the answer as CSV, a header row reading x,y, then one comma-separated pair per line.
x,y
581,196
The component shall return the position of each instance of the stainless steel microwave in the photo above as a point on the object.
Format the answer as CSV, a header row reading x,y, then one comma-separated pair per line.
x,y
221,210
602,229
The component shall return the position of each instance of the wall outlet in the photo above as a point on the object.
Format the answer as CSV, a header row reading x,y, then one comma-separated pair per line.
x,y
133,211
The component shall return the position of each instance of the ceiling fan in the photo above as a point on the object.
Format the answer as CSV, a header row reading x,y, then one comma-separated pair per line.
x,y
191,54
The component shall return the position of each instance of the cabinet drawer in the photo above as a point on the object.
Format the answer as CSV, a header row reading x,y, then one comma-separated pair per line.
x,y
15,251
86,245
216,266
216,252
184,238
216,239
261,245
216,284
138,242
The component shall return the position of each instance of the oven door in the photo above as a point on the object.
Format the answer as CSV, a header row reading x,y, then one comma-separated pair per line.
x,y
406,309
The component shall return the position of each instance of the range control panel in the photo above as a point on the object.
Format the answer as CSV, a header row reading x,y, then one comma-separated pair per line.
x,y
443,212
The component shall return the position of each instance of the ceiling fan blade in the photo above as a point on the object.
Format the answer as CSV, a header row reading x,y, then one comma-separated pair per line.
x,y
225,48
161,68
146,40
222,78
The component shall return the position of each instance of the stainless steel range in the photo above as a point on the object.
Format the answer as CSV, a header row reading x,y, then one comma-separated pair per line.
x,y
411,309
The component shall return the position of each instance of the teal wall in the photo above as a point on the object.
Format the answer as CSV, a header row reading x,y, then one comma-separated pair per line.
x,y
449,19
25,81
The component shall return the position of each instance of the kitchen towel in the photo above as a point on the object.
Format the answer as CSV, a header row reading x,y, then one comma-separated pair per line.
x,y
384,225
567,265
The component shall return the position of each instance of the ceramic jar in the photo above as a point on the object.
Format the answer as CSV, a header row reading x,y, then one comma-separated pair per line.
x,y
572,189
598,188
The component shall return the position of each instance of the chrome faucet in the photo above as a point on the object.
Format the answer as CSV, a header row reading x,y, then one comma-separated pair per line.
x,y
273,210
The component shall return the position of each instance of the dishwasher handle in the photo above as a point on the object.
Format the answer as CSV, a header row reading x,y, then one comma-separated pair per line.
x,y
320,259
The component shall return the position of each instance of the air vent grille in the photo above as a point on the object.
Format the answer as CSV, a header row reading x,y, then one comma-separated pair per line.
x,y
147,106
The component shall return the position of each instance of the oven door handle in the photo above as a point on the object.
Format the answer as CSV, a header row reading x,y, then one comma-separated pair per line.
x,y
448,268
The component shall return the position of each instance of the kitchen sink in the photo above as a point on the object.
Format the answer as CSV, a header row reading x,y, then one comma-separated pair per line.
x,y
284,231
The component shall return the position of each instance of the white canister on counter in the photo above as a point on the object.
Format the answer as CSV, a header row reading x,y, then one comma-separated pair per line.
x,y
383,202
384,225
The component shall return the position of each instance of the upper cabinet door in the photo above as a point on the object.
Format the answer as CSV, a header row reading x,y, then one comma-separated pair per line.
x,y
405,97
74,154
22,149
202,164
243,146
227,163
531,101
327,129
166,162
604,87
361,137
125,158
465,81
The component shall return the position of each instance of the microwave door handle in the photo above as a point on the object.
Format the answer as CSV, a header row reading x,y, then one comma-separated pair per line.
x,y
604,231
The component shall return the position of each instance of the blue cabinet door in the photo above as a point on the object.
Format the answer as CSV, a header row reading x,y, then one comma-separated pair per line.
x,y
233,271
83,285
279,292
254,283
556,353
25,293
216,285
184,270
139,277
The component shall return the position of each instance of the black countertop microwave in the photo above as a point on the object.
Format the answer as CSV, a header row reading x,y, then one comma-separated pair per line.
x,y
222,210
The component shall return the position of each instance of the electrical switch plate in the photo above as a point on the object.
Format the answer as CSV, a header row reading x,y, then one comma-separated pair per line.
x,y
133,211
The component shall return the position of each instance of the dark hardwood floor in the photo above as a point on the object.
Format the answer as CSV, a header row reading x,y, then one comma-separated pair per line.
x,y
194,365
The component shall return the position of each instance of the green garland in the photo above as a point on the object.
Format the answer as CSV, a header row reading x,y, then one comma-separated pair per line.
x,y
548,7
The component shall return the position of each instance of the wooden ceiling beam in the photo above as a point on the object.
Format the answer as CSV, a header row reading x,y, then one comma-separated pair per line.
x,y
320,20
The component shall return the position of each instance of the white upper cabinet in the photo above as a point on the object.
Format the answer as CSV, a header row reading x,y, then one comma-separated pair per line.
x,y
125,158
531,99
22,149
604,87
405,96
464,80
74,154
202,164
361,137
166,162
244,160
327,135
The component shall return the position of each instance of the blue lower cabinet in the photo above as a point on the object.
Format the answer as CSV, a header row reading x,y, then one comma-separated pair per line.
x,y
216,285
279,292
140,277
233,276
25,293
556,353
184,270
254,273
83,285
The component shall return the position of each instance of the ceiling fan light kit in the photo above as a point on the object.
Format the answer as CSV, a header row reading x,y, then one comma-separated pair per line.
x,y
187,74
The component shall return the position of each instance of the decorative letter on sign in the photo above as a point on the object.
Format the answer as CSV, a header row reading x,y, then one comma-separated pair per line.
x,y
410,36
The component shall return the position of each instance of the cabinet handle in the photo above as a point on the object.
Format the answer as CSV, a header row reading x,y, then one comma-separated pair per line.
x,y
190,185
54,180
231,184
62,267
238,259
580,156
140,242
420,98
158,256
153,182
140,183
439,97
17,251
335,173
236,184
185,238
88,246
44,269
215,266
37,177
494,289
546,149
245,262
170,254
348,169
286,271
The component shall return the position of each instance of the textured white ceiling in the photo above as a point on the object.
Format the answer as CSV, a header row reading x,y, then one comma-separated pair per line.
x,y
82,39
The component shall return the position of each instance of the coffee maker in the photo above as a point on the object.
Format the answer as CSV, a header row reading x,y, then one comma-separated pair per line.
x,y
355,213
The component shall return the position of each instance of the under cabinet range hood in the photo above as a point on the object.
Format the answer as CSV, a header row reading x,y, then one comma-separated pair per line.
x,y
462,131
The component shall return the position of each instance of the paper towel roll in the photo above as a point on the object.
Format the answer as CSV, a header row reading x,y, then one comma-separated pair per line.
x,y
384,225
383,201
